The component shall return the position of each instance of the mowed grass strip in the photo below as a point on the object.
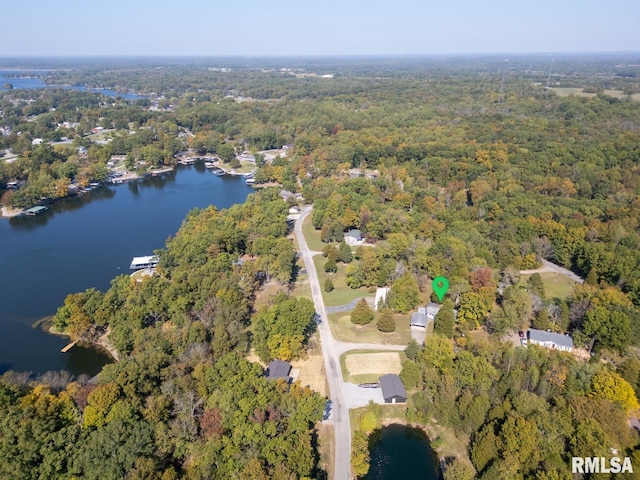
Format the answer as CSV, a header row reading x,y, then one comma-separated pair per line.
x,y
374,362
341,293
555,284
346,331
311,235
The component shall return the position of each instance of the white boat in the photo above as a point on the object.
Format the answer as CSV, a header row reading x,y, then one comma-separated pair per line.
x,y
250,181
209,165
220,173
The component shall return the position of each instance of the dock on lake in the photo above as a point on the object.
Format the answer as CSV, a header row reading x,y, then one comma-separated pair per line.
x,y
69,346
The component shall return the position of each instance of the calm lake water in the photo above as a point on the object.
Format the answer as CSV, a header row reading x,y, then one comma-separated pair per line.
x,y
398,451
32,83
84,242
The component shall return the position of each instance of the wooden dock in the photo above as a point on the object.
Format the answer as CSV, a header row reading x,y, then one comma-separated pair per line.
x,y
68,347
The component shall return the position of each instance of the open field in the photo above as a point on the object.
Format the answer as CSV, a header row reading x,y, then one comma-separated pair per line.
x,y
345,331
555,285
579,92
341,293
312,368
374,362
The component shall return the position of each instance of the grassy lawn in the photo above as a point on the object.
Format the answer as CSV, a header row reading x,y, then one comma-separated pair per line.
x,y
555,284
342,293
360,366
311,235
385,414
344,330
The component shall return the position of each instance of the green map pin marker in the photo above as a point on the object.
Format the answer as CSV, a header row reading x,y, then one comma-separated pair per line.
x,y
440,286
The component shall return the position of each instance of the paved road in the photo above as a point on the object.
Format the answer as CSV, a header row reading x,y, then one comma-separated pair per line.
x,y
343,395
339,408
547,266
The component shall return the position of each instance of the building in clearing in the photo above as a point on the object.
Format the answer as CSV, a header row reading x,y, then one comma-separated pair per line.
x,y
554,341
419,318
381,297
392,389
353,237
279,369
432,310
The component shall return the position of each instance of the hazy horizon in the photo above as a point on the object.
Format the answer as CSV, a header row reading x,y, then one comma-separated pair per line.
x,y
288,28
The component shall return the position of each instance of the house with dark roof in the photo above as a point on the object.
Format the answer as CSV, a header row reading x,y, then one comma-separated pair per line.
x,y
554,341
392,389
279,369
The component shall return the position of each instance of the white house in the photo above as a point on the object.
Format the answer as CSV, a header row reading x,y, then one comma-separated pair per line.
x,y
554,341
381,297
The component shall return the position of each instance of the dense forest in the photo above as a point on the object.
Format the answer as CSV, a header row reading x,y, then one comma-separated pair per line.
x,y
474,169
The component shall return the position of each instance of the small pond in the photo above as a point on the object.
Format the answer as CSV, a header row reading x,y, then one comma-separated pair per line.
x,y
399,451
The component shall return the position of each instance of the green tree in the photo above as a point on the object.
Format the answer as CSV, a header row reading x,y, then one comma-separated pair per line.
x,y
535,285
328,285
330,266
386,322
445,319
362,314
344,252
360,456
404,295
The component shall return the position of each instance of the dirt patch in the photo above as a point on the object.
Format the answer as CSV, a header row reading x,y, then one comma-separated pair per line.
x,y
373,363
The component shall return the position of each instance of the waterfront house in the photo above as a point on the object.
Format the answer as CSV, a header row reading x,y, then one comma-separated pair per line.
x,y
551,340
393,390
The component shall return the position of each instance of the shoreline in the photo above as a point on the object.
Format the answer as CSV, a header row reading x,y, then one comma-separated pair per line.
x,y
102,341
6,212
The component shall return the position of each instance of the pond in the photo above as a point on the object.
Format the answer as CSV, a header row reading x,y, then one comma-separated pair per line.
x,y
401,452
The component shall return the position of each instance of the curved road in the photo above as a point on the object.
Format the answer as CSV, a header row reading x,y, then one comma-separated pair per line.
x,y
547,266
343,395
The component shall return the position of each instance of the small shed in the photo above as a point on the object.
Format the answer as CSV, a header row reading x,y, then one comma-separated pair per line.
x,y
392,389
279,369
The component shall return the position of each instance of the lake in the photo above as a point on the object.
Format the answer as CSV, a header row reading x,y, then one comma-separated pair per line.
x,y
398,451
33,83
83,242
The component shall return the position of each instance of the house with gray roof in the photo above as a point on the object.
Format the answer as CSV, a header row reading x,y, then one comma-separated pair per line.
x,y
419,319
392,389
554,341
432,310
279,369
353,237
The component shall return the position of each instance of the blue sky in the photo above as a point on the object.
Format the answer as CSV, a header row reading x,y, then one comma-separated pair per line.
x,y
313,27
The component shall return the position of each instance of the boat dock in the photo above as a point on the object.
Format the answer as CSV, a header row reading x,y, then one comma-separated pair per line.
x,y
148,261
69,346
35,210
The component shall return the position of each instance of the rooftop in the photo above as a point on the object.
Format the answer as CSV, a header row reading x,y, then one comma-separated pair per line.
x,y
392,386
557,338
